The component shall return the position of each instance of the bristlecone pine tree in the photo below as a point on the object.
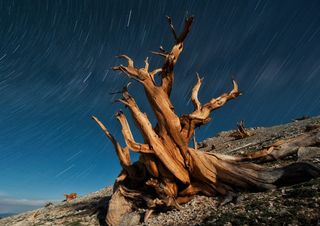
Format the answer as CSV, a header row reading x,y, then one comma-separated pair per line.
x,y
169,172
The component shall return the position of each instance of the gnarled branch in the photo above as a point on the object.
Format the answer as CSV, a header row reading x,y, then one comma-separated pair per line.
x,y
139,74
168,172
123,153
201,114
216,103
171,57
186,29
171,158
241,131
141,120
128,137
194,95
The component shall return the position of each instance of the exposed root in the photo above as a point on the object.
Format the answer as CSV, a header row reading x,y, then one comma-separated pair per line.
x,y
169,172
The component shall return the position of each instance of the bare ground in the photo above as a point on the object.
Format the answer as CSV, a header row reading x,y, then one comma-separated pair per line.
x,y
293,205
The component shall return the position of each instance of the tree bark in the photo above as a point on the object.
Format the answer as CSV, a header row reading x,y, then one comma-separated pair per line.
x,y
169,172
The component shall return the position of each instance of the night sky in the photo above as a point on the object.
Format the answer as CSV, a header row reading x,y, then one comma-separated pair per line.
x,y
55,60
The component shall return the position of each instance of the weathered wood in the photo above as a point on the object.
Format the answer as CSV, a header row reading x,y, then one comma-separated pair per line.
x,y
168,172
117,208
241,131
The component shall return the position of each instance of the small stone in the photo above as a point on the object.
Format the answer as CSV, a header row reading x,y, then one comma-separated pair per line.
x,y
87,218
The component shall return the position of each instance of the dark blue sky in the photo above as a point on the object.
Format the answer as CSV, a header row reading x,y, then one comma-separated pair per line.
x,y
55,59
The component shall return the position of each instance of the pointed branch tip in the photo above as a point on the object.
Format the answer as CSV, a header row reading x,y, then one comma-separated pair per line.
x,y
159,54
146,61
200,79
172,28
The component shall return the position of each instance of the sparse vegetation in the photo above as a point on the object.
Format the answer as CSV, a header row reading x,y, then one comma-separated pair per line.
x,y
283,206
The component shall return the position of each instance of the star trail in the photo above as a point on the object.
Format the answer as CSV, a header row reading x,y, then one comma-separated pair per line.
x,y
55,72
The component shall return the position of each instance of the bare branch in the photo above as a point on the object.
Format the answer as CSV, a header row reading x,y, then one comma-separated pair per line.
x,y
201,115
146,67
153,73
218,102
194,95
172,28
140,118
126,131
131,71
163,50
175,165
123,153
195,144
159,54
173,55
186,29
130,61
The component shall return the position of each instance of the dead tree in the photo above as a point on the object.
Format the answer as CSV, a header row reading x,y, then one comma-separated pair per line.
x,y
241,131
169,172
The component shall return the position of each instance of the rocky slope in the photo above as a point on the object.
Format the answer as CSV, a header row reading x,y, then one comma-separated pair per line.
x,y
293,205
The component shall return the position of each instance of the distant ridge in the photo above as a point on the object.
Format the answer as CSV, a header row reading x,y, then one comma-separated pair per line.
x,y
3,215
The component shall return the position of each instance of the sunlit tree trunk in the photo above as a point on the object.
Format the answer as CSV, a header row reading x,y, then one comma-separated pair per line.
x,y
169,172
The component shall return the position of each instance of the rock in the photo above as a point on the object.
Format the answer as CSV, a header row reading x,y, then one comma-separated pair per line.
x,y
23,223
48,204
308,153
296,205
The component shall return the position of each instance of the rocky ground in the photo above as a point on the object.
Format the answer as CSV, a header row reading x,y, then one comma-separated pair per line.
x,y
293,205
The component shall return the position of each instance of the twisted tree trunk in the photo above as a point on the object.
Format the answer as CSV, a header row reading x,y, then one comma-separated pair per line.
x,y
169,172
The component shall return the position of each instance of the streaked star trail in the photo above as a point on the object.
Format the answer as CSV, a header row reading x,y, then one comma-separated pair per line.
x,y
55,72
